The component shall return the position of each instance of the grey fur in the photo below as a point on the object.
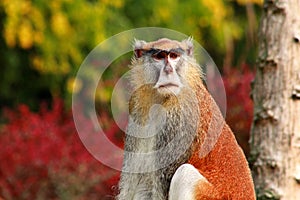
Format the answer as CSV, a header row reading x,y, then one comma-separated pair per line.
x,y
172,142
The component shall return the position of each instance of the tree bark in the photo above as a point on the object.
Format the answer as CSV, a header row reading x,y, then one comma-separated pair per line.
x,y
275,134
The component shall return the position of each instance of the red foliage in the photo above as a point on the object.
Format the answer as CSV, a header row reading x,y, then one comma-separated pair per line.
x,y
239,104
40,150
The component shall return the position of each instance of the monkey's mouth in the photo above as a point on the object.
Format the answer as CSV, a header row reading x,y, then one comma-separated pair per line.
x,y
167,88
168,85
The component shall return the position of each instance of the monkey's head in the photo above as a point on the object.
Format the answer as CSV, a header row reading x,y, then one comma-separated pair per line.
x,y
164,64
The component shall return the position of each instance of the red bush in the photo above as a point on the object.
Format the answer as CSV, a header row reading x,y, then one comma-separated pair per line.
x,y
239,104
42,157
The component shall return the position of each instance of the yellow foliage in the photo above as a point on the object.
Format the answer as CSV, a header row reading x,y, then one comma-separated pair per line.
x,y
216,6
25,35
59,24
9,35
114,3
103,94
165,10
58,34
219,12
244,2
55,5
11,7
74,85
25,7
164,13
10,30
38,20
38,37
64,67
38,63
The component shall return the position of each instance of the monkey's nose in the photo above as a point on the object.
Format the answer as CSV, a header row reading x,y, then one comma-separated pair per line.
x,y
168,69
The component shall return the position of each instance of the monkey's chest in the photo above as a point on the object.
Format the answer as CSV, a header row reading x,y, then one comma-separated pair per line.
x,y
165,151
156,148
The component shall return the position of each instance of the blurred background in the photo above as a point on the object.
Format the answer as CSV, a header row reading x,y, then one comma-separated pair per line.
x,y
42,45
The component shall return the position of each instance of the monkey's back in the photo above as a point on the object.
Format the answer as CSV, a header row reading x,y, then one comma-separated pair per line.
x,y
223,163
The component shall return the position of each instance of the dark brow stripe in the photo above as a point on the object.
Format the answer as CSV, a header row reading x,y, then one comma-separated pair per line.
x,y
177,50
154,50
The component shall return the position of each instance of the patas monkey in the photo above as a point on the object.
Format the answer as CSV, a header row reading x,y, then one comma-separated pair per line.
x,y
178,146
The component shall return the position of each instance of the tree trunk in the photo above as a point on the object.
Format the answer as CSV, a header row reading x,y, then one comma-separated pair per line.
x,y
275,134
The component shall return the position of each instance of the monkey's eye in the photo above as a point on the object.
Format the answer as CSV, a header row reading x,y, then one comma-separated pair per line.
x,y
173,55
160,55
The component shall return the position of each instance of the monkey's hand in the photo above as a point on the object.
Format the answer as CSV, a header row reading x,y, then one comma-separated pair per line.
x,y
187,183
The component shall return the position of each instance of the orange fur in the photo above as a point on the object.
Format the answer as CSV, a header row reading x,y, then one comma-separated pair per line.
x,y
225,166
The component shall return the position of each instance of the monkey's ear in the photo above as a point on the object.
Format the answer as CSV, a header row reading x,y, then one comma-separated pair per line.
x,y
189,46
138,47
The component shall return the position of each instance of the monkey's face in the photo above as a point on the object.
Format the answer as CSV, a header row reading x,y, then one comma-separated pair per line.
x,y
164,63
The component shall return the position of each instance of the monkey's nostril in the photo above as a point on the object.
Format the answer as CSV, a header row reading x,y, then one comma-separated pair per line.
x,y
168,69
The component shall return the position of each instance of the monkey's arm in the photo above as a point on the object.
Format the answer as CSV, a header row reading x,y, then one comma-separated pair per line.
x,y
224,174
187,183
